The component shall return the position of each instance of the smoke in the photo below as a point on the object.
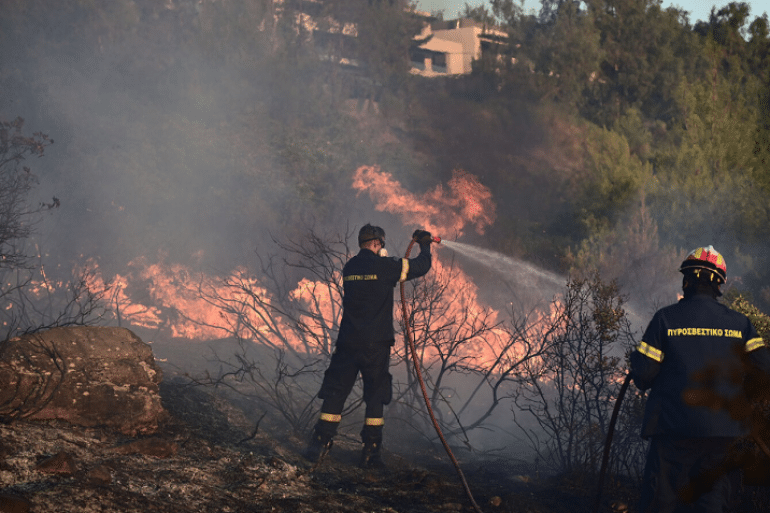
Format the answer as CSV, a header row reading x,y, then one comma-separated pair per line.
x,y
163,154
152,153
136,177
164,151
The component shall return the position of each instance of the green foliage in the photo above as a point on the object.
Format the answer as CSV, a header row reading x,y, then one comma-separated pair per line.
x,y
705,185
740,303
631,253
645,54
479,13
567,56
385,33
613,177
226,30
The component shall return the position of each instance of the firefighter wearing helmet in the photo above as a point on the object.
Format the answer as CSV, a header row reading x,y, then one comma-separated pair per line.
x,y
689,460
364,341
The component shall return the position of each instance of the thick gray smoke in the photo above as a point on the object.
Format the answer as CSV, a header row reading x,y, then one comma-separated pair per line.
x,y
159,148
139,173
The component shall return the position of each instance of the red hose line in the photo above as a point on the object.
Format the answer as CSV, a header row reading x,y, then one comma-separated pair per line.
x,y
418,372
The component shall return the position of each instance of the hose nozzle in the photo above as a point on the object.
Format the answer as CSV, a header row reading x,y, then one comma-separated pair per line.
x,y
423,237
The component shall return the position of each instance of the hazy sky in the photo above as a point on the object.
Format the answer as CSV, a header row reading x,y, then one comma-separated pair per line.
x,y
698,9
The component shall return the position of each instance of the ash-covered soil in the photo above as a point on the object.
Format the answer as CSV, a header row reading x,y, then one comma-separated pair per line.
x,y
207,458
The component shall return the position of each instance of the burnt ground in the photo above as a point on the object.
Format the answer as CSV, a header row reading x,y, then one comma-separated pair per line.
x,y
207,458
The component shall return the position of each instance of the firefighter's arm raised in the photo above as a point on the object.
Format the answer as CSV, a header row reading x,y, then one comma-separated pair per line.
x,y
421,264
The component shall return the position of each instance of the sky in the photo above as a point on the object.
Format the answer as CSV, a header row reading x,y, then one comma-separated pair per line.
x,y
698,9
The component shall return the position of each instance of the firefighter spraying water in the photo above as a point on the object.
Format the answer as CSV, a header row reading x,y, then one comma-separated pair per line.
x,y
365,337
364,342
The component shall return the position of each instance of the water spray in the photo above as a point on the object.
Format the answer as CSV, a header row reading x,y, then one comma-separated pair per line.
x,y
524,272
418,372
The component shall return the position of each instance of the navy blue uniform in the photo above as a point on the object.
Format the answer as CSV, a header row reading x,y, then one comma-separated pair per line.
x,y
366,336
689,350
368,282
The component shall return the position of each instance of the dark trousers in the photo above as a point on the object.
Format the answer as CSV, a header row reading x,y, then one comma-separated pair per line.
x,y
689,475
373,362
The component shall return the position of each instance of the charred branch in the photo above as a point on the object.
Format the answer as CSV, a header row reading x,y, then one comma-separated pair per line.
x,y
35,386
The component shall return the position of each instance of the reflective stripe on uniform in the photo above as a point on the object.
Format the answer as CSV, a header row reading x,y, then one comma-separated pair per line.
x,y
370,421
754,343
404,269
652,352
331,417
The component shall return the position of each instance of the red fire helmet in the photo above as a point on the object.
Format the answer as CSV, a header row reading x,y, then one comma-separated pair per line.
x,y
706,258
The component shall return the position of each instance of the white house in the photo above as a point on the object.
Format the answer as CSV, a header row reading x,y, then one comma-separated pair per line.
x,y
442,48
450,47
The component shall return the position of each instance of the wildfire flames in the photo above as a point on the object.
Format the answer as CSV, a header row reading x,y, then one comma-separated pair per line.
x,y
468,201
176,301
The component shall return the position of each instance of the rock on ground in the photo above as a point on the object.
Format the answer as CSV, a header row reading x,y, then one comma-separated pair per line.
x,y
87,376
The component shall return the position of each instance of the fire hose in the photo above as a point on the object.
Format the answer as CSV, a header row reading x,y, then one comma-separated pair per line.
x,y
611,430
608,442
418,373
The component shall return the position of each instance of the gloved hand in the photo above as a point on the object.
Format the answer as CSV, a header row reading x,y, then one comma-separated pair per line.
x,y
422,237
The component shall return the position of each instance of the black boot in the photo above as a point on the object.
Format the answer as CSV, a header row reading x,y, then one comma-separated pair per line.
x,y
371,458
318,448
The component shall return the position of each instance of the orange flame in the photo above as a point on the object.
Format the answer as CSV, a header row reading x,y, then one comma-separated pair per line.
x,y
468,201
178,302
189,304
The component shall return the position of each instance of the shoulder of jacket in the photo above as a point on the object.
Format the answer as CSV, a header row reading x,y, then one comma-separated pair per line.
x,y
668,310
727,310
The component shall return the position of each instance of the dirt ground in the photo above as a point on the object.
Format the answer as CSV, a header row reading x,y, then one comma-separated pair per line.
x,y
205,459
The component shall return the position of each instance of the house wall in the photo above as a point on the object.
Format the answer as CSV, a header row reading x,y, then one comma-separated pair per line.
x,y
471,46
438,57
456,65
458,40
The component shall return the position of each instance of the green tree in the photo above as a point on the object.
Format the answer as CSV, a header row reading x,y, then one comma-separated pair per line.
x,y
741,303
711,168
612,177
758,49
631,253
237,32
480,13
759,64
385,31
738,51
566,55
726,26
646,52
